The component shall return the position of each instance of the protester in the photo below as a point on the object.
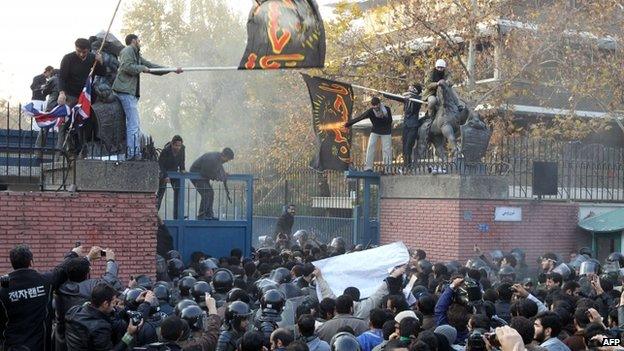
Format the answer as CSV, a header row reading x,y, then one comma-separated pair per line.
x,y
380,116
38,84
307,325
411,120
171,159
285,222
210,167
127,86
438,76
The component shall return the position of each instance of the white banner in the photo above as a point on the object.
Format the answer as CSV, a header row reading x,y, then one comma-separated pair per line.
x,y
364,270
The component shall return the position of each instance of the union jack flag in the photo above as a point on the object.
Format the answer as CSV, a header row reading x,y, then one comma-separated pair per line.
x,y
82,110
56,117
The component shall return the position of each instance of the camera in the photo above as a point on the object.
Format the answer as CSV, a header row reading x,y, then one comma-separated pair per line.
x,y
134,317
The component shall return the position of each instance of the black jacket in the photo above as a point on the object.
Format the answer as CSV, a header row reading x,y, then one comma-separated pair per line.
x,y
74,72
381,126
37,87
169,162
284,224
411,109
72,294
88,329
228,340
210,166
26,307
164,240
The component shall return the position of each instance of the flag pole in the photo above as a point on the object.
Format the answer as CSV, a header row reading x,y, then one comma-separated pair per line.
x,y
192,69
110,24
386,93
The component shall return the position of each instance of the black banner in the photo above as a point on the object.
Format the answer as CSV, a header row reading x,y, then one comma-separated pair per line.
x,y
332,105
284,34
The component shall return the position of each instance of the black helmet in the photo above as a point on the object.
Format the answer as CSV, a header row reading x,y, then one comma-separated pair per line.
x,y
344,341
222,280
476,263
189,272
453,267
199,290
585,251
273,299
162,292
194,316
236,312
519,254
497,255
507,273
174,254
237,294
576,262
300,235
425,266
338,243
175,266
185,285
144,281
616,257
281,275
132,295
206,265
184,304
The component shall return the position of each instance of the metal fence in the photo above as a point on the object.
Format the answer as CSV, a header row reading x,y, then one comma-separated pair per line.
x,y
34,158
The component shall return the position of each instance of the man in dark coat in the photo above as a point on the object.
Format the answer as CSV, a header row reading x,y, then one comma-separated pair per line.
x,y
26,301
210,167
381,118
39,82
171,159
285,222
411,123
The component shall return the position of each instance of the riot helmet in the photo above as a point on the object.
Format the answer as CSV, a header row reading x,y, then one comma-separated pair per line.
x,y
222,280
132,295
173,254
576,262
236,313
189,272
344,341
199,290
238,294
507,273
175,266
281,275
616,257
144,281
274,300
497,256
162,293
185,285
564,270
184,304
585,251
206,266
194,316
591,266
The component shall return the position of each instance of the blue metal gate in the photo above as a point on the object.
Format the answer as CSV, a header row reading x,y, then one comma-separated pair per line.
x,y
366,212
212,237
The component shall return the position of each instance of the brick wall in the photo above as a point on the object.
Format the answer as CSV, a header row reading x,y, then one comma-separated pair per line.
x,y
448,228
50,223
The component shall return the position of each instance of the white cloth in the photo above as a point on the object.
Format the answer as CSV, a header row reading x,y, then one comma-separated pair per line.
x,y
364,270
386,150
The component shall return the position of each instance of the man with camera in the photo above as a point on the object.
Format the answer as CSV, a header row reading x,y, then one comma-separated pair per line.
x,y
26,301
91,327
77,289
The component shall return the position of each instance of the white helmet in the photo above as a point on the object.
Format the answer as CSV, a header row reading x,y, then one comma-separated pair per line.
x,y
440,63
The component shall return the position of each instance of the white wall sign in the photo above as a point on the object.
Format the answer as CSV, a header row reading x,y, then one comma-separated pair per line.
x,y
508,214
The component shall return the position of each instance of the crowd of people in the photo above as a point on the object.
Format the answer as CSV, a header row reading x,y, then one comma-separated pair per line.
x,y
278,300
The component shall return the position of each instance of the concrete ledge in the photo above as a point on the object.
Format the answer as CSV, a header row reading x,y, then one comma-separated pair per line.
x,y
114,176
444,186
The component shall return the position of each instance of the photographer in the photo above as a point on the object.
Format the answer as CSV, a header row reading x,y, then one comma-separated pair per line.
x,y
446,306
77,289
26,301
90,327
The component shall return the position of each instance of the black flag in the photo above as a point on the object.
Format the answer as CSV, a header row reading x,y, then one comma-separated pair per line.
x,y
332,105
284,34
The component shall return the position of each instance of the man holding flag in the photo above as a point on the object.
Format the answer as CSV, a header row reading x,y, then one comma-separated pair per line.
x,y
74,72
127,87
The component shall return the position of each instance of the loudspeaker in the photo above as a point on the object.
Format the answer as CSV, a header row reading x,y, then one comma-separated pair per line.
x,y
545,178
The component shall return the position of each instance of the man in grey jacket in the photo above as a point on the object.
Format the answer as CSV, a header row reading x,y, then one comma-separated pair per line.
x,y
343,318
77,289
